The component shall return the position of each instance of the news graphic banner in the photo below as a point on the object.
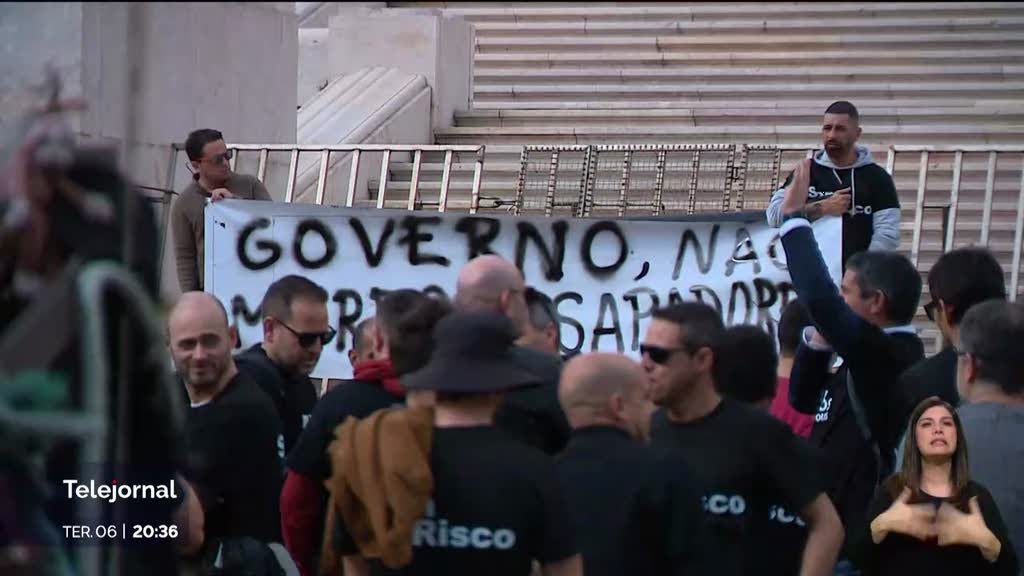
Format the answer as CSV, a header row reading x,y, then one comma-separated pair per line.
x,y
605,276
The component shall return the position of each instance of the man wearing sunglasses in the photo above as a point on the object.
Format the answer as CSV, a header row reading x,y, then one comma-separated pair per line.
x,y
744,461
295,331
213,180
960,279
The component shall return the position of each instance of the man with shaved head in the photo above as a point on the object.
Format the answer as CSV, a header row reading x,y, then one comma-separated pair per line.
x,y
489,283
634,512
232,428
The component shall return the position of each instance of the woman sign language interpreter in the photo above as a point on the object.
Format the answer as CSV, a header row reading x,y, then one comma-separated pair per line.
x,y
930,518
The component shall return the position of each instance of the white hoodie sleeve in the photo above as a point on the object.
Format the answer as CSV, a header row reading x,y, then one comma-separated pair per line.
x,y
885,229
774,211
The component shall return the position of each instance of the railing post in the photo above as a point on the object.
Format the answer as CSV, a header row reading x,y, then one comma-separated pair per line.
x,y
922,180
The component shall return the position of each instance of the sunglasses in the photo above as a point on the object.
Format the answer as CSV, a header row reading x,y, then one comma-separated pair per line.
x,y
307,339
929,310
657,354
220,158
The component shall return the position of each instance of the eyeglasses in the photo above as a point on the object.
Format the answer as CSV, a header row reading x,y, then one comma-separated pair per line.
x,y
929,310
657,354
220,158
307,339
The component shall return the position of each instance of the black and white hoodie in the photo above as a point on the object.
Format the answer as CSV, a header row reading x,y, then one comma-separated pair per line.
x,y
873,222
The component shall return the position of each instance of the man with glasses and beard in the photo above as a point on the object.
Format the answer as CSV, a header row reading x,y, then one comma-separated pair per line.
x,y
295,331
213,180
743,460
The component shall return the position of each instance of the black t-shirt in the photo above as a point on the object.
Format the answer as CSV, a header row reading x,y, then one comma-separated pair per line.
x,y
745,462
899,554
634,511
293,394
352,398
783,545
497,506
233,460
874,191
533,414
935,376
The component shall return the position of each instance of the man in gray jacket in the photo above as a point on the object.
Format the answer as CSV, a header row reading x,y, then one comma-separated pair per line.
x,y
845,181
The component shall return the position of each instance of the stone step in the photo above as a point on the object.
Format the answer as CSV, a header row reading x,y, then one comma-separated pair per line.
x,y
661,74
799,25
760,57
760,104
729,115
533,11
682,92
716,42
751,134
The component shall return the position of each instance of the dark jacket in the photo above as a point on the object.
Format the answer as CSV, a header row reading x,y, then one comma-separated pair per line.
x,y
873,360
533,414
634,512
293,395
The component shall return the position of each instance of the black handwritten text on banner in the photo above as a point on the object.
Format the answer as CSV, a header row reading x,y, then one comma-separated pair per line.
x,y
605,276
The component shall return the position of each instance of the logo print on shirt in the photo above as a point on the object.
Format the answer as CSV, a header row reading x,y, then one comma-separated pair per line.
x,y
720,504
812,193
823,407
779,514
431,533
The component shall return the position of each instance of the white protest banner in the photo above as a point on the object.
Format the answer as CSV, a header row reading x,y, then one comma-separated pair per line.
x,y
605,276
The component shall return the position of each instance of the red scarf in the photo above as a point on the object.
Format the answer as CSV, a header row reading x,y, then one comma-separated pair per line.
x,y
382,371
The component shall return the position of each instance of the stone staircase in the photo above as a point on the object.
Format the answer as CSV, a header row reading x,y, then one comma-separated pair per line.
x,y
752,73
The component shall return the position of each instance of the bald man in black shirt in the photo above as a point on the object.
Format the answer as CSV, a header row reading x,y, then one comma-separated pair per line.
x,y
634,512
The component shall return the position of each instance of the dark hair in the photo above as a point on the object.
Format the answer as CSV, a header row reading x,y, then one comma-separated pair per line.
x,y
964,277
843,107
359,336
198,139
701,324
909,474
746,364
277,302
992,332
791,326
542,310
892,274
195,142
407,318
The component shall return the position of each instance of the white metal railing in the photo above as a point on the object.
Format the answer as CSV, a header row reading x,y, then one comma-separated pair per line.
x,y
356,152
994,154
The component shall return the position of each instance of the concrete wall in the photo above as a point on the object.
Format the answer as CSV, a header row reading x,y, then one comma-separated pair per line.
x,y
227,65
31,36
424,42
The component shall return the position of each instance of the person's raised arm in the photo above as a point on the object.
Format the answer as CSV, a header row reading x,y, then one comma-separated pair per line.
x,y
813,285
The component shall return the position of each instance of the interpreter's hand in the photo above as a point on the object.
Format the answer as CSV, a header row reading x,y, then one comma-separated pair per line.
x,y
955,527
220,194
914,520
836,205
796,194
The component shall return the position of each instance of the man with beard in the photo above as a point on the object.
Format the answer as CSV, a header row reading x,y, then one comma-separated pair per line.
x,y
231,427
845,181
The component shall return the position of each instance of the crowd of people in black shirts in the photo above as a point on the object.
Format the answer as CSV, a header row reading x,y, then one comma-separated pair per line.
x,y
465,444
